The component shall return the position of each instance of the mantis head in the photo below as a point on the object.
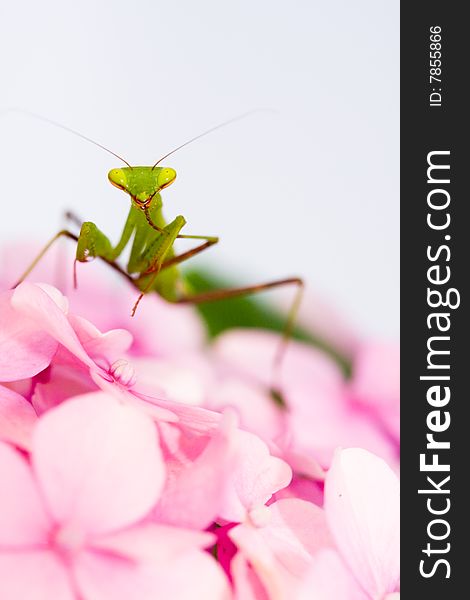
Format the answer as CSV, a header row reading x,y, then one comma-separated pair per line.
x,y
142,183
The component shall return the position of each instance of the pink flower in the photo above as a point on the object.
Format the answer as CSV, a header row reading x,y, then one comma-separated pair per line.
x,y
72,523
318,415
25,348
199,469
347,551
362,507
158,329
375,385
80,357
219,475
130,451
279,543
17,418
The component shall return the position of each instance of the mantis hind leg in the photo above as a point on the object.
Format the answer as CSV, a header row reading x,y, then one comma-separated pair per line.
x,y
215,295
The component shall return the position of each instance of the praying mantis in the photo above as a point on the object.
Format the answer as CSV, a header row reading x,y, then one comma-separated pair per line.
x,y
153,263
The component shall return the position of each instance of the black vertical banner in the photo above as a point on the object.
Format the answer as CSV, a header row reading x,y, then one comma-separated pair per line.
x,y
435,267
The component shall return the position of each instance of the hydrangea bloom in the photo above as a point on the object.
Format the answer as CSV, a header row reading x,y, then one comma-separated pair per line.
x,y
73,520
139,461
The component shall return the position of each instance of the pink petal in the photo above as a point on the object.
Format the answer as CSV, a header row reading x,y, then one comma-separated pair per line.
x,y
193,418
319,416
255,408
304,464
330,579
281,549
376,382
257,475
275,578
23,520
303,488
63,382
246,583
56,295
296,531
34,576
194,494
148,406
23,387
25,348
152,542
128,396
320,423
105,347
174,329
98,462
252,352
163,329
376,377
102,576
192,575
362,508
203,579
183,379
32,301
17,418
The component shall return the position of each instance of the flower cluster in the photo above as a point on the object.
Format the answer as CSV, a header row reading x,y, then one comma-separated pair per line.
x,y
138,461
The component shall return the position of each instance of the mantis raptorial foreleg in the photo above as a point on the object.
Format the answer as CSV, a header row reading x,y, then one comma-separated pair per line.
x,y
179,258
150,261
160,264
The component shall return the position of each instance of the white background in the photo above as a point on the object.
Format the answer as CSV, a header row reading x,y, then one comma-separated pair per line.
x,y
310,189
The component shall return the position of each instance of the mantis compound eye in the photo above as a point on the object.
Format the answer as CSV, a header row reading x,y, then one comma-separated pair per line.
x,y
118,178
165,177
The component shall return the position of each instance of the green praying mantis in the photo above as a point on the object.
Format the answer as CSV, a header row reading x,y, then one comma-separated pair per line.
x,y
153,263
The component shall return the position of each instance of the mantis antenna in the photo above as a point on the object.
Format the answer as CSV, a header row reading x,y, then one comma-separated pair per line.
x,y
69,129
219,126
84,137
